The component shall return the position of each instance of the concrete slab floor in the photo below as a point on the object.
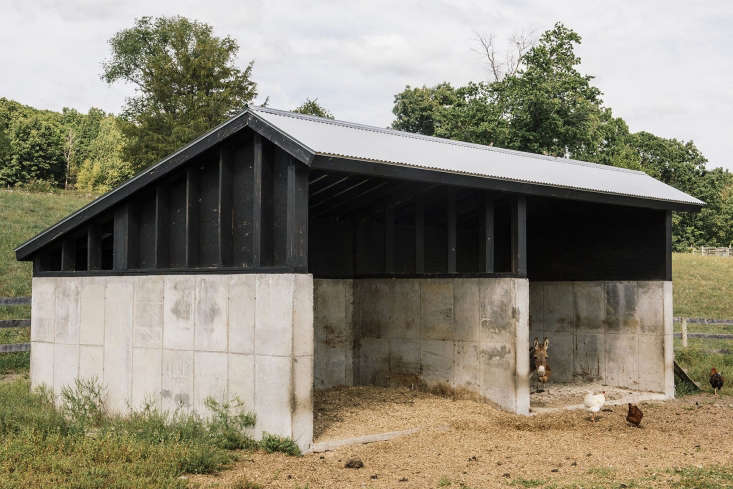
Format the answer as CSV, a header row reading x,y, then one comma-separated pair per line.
x,y
569,396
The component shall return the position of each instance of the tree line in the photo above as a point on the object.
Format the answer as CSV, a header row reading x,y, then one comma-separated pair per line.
x,y
187,81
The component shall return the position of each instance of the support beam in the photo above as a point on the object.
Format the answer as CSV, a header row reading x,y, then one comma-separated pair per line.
x,y
257,202
297,215
192,217
486,233
389,237
94,247
225,225
668,246
452,231
420,234
124,238
519,236
68,254
162,246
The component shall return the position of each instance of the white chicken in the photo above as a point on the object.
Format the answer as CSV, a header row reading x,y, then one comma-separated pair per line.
x,y
594,402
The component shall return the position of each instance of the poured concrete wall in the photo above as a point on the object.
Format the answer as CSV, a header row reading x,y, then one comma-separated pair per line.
x,y
177,339
617,332
334,333
465,334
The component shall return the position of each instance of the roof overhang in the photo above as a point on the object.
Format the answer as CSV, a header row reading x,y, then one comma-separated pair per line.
x,y
388,170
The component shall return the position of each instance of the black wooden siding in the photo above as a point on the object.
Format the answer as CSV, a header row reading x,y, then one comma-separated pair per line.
x,y
241,205
245,205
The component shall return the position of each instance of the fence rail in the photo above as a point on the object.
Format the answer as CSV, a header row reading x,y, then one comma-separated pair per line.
x,y
714,250
15,347
703,320
14,301
14,323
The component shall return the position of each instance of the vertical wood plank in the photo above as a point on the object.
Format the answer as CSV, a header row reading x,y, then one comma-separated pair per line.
x,y
420,234
162,236
192,218
519,236
486,233
452,231
94,247
257,202
296,218
68,254
389,236
668,246
225,225
121,238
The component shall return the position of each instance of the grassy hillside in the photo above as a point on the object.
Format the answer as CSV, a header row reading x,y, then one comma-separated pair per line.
x,y
703,286
23,215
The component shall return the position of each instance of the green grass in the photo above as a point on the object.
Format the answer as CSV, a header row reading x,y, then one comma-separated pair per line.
x,y
697,360
23,215
703,286
74,443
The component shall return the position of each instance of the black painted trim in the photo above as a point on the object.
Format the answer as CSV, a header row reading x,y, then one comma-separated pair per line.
x,y
172,271
417,275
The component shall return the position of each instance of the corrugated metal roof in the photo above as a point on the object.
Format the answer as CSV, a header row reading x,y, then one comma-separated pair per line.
x,y
357,141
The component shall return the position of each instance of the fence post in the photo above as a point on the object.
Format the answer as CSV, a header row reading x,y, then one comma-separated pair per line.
x,y
684,332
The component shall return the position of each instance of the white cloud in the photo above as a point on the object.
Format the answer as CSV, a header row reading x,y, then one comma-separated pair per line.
x,y
663,66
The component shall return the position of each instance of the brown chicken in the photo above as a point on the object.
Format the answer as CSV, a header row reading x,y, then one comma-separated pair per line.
x,y
716,381
635,415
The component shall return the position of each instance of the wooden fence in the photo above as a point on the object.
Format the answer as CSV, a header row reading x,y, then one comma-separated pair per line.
x,y
14,323
684,335
714,250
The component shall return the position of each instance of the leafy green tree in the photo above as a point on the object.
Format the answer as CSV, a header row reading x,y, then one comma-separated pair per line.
x,y
312,107
545,105
37,151
418,109
186,83
104,167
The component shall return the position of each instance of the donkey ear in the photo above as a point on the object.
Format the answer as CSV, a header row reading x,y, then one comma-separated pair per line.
x,y
547,342
536,343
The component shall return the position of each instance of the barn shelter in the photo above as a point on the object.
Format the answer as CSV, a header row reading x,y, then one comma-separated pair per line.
x,y
280,253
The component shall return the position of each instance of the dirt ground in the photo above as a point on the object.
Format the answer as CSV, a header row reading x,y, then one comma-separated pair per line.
x,y
467,444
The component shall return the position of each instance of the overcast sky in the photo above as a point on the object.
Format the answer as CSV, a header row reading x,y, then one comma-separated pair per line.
x,y
663,66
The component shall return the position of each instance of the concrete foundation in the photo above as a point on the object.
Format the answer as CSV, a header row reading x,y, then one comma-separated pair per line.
x,y
618,333
174,340
464,334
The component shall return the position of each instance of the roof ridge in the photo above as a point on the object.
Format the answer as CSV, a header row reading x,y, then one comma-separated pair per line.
x,y
452,142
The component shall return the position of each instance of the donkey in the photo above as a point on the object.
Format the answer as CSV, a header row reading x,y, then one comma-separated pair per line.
x,y
538,361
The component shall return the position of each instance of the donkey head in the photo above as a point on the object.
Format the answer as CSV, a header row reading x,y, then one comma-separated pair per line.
x,y
539,357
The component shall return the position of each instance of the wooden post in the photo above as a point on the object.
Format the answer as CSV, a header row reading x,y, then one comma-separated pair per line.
x,y
296,218
124,238
519,236
68,254
94,248
684,332
389,234
420,234
257,202
452,232
224,204
668,246
161,227
192,217
486,233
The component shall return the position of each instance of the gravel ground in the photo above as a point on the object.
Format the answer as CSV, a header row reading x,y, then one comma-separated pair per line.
x,y
467,444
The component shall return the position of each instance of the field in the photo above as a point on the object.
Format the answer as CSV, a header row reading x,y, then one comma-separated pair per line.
x,y
460,444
